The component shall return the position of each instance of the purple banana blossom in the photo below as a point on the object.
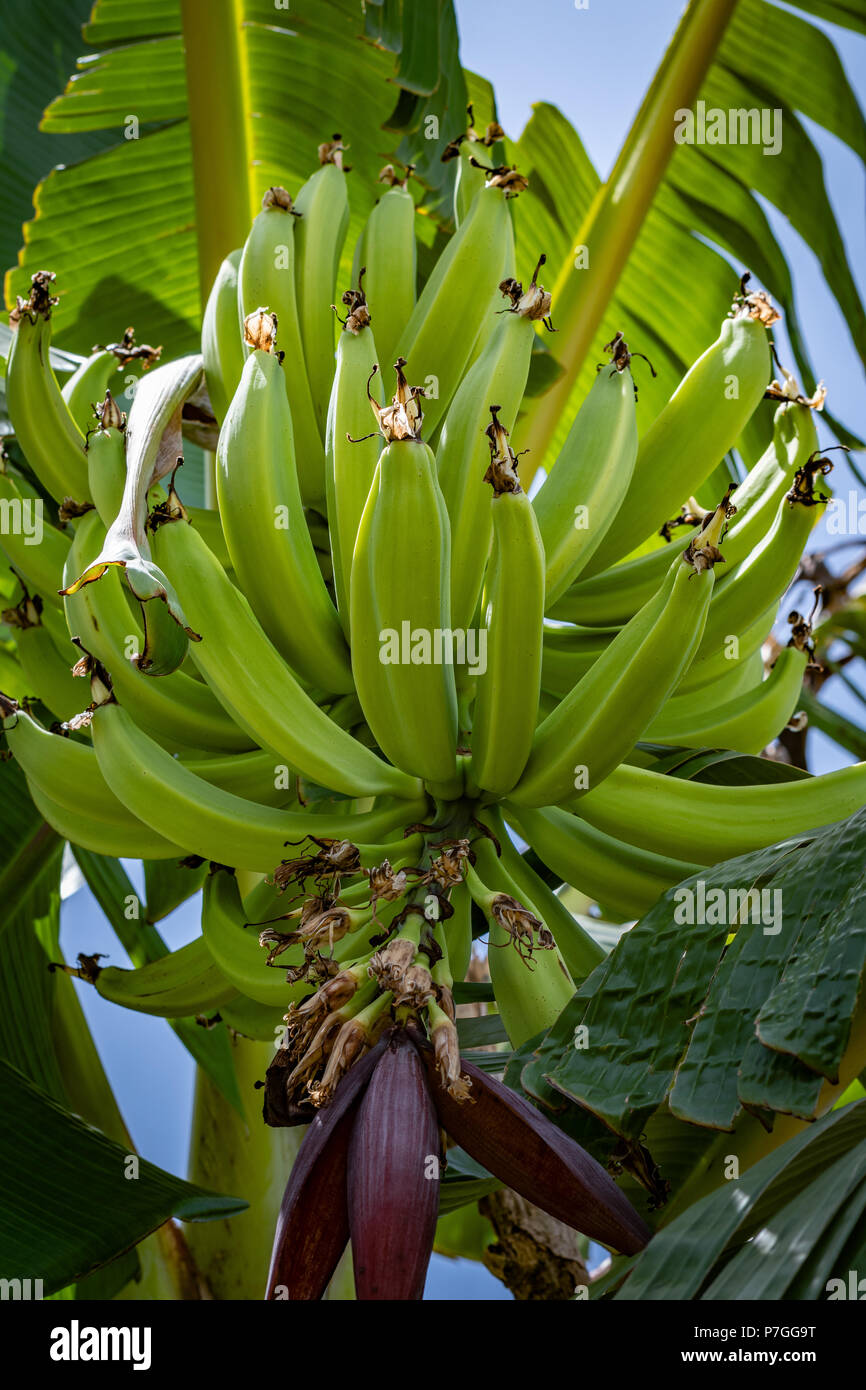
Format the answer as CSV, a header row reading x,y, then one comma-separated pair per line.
x,y
369,1168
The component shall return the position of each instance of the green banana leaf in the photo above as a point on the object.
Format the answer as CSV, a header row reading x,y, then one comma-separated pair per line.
x,y
689,1014
127,227
41,1233
782,1230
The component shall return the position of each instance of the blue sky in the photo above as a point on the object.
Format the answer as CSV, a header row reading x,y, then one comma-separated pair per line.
x,y
595,64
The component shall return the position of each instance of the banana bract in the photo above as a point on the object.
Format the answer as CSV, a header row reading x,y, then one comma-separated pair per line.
x,y
376,669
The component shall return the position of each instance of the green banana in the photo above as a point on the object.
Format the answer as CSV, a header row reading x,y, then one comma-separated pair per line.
x,y
255,775
263,520
44,427
616,594
262,1022
389,256
350,466
568,653
35,548
619,876
735,653
532,986
186,981
457,931
707,824
747,723
46,673
498,374
114,838
447,319
602,718
68,775
88,384
577,948
253,683
506,698
323,208
213,823
235,947
582,495
175,706
400,602
765,574
266,280
702,420
106,459
222,347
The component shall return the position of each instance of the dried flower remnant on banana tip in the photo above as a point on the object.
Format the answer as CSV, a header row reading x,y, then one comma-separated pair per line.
x,y
703,551
493,132
534,303
502,470
754,304
401,419
355,301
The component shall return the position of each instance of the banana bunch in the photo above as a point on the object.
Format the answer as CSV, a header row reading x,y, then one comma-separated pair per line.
x,y
377,648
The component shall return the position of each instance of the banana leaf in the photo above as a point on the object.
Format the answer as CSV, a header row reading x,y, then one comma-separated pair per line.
x,y
41,1234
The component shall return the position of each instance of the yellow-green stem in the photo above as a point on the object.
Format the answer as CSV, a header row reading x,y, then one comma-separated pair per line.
x,y
613,223
219,124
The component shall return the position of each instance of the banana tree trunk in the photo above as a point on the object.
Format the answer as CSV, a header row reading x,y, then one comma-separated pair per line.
x,y
249,1160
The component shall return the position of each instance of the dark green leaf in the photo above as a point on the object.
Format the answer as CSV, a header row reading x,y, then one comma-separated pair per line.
x,y
55,1167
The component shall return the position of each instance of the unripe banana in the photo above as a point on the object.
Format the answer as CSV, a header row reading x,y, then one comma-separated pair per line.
x,y
400,603
582,495
118,839
215,824
253,683
747,722
234,945
152,433
457,930
266,280
266,533
530,981
594,727
222,347
323,206
351,455
68,775
577,948
87,385
106,459
705,823
46,673
764,575
175,706
702,420
51,440
498,375
447,319
184,982
619,876
506,700
35,549
390,258
617,593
